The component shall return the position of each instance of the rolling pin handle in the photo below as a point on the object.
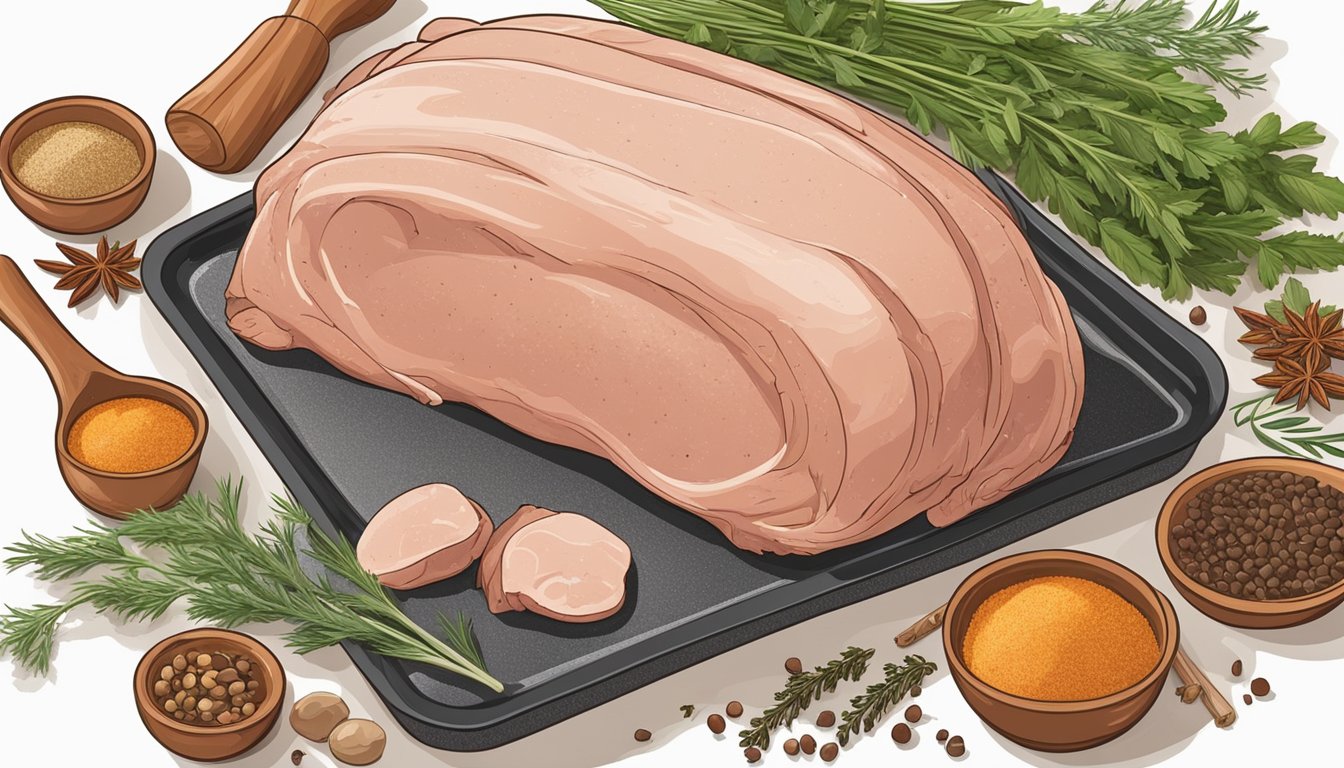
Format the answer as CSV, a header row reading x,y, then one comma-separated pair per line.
x,y
226,120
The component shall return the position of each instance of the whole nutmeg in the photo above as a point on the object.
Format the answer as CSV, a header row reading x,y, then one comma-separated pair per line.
x,y
1198,316
752,754
317,714
901,733
358,742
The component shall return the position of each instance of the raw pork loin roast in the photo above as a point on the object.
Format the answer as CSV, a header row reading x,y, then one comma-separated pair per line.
x,y
769,305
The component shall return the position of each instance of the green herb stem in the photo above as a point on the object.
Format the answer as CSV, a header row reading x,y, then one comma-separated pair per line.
x,y
801,690
229,577
868,708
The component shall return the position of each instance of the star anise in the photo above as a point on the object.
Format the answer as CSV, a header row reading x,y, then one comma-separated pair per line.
x,y
1293,379
1310,339
84,273
1261,329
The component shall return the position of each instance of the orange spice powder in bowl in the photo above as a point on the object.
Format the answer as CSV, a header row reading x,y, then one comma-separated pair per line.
x,y
129,435
1059,638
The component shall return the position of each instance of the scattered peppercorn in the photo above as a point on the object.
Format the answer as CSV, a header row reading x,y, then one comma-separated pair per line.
x,y
1198,316
1246,697
752,754
942,735
915,691
791,747
642,735
901,733
793,665
830,751
734,708
716,723
956,746
1260,687
825,719
913,713
296,756
808,744
1236,668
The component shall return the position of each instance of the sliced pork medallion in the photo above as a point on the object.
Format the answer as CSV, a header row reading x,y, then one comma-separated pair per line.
x,y
558,564
426,534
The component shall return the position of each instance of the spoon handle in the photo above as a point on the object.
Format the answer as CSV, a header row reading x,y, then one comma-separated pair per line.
x,y
67,363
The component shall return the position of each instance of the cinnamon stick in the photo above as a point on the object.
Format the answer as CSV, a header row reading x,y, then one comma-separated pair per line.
x,y
1221,709
922,628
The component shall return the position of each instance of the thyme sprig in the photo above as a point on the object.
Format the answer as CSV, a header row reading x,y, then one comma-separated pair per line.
x,y
869,707
229,577
801,690
1092,112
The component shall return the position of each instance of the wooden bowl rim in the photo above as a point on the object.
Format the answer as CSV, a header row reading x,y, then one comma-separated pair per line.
x,y
1158,602
1200,480
142,135
275,688
197,414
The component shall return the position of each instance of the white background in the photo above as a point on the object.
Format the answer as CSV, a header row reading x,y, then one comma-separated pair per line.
x,y
146,54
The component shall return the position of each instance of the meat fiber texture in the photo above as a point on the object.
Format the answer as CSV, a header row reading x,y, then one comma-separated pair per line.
x,y
561,565
427,534
769,305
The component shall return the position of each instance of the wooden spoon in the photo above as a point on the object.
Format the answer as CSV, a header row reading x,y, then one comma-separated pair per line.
x,y
1190,675
83,381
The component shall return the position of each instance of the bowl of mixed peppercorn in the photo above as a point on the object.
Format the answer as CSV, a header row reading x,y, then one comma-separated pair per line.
x,y
209,694
1257,543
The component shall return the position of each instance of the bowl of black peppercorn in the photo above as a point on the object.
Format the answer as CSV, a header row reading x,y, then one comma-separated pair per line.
x,y
1257,543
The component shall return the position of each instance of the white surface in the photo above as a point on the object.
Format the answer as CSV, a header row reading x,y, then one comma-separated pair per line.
x,y
146,54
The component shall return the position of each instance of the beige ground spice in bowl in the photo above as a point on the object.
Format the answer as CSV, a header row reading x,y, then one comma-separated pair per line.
x,y
77,165
74,160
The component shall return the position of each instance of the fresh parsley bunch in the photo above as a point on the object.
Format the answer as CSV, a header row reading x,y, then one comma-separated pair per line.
x,y
1093,112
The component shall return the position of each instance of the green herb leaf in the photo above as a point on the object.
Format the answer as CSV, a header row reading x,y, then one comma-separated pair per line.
x,y
1296,296
1092,111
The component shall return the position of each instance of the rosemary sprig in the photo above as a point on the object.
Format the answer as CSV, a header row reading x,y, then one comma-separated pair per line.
x,y
229,577
801,690
1091,112
1289,435
869,707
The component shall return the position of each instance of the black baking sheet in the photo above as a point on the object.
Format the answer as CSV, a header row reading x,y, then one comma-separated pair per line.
x,y
344,448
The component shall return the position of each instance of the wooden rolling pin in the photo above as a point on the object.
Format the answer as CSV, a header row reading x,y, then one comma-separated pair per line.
x,y
224,122
1191,676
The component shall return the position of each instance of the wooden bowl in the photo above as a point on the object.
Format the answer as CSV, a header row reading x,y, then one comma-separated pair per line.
x,y
1059,726
210,743
1236,611
85,215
